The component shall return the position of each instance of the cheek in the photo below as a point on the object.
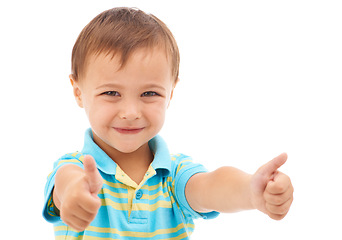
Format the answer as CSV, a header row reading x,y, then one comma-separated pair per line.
x,y
157,113
99,113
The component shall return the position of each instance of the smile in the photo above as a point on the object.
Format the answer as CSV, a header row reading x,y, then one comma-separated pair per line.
x,y
128,130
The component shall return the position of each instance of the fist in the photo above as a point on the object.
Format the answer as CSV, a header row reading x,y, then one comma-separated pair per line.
x,y
272,191
80,202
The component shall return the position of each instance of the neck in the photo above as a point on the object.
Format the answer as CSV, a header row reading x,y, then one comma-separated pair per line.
x,y
141,158
134,164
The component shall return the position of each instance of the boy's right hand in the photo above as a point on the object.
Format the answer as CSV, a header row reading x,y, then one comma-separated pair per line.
x,y
76,190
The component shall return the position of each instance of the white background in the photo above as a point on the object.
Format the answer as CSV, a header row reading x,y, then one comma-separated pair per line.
x,y
258,78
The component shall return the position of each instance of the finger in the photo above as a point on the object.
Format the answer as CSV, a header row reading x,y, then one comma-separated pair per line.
x,y
90,204
84,214
272,166
93,176
278,199
279,209
79,215
76,223
280,184
276,216
72,220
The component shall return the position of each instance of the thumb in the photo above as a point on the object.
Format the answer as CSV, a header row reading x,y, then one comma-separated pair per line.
x,y
93,176
269,169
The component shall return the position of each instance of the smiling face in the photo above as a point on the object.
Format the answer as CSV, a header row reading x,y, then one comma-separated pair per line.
x,y
125,106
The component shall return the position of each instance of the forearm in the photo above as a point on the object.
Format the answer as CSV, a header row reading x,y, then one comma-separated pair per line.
x,y
232,188
226,189
64,176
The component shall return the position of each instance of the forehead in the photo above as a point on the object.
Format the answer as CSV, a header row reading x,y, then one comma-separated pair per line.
x,y
143,63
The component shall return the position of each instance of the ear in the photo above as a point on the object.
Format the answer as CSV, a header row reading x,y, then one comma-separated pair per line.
x,y
77,90
173,88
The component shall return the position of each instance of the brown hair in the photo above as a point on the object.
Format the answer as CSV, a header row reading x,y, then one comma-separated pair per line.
x,y
122,31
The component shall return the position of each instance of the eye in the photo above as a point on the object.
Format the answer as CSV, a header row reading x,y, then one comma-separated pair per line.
x,y
149,94
111,93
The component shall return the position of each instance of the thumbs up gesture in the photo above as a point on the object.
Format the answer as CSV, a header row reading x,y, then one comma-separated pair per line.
x,y
272,191
75,193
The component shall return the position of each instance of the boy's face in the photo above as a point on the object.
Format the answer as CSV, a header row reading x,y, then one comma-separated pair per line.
x,y
126,107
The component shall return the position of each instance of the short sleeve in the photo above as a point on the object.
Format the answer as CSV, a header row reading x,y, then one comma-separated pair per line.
x,y
184,170
49,212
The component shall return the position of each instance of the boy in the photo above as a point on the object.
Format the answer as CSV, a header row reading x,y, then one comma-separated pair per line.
x,y
124,184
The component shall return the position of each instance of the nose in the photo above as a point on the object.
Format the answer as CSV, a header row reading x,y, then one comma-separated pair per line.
x,y
130,110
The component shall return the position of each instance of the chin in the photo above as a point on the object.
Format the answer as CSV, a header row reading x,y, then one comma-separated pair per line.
x,y
126,150
128,147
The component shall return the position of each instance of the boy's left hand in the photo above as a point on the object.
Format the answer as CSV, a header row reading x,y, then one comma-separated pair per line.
x,y
271,190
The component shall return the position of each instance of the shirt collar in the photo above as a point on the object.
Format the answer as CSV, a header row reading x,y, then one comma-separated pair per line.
x,y
161,161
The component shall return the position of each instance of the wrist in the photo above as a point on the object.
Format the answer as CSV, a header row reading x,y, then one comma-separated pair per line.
x,y
257,193
250,204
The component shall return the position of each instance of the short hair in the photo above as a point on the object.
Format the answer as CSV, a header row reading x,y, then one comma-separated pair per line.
x,y
122,31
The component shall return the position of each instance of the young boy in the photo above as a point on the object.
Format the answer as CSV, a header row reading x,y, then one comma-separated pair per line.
x,y
124,184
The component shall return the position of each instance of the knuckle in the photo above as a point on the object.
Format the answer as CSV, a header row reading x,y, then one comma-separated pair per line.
x,y
94,207
282,210
77,228
279,188
277,210
274,199
99,203
276,217
278,200
79,225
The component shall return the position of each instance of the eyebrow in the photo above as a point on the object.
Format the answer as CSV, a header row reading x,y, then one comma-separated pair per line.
x,y
152,85
108,85
112,85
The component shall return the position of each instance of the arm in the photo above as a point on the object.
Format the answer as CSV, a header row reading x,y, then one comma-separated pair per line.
x,y
75,193
229,190
224,190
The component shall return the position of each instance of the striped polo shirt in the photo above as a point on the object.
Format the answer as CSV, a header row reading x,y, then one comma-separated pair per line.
x,y
155,209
